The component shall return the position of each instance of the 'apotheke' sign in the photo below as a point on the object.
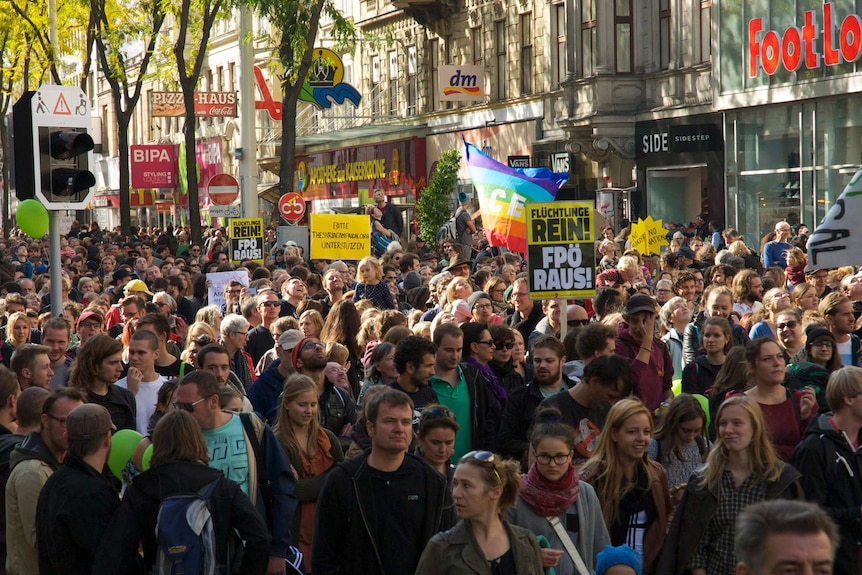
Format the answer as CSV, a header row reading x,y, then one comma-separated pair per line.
x,y
810,46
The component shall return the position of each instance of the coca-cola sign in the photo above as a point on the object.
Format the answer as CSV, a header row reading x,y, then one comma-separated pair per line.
x,y
207,104
153,166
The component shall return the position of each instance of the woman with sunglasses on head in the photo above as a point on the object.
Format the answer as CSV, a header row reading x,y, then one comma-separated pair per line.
x,y
312,451
555,503
483,542
742,468
632,489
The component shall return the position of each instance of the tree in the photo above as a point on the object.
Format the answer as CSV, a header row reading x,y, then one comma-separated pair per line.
x,y
433,207
141,22
298,21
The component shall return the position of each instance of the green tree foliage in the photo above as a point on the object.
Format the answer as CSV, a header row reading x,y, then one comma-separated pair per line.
x,y
433,208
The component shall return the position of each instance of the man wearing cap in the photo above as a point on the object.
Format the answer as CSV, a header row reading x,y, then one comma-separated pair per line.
x,y
32,463
260,338
89,324
77,502
464,226
267,388
391,218
648,357
685,257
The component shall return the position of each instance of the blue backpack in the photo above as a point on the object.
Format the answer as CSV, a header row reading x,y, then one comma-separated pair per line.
x,y
185,536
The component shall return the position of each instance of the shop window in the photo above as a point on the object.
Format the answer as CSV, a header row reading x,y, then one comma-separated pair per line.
x,y
526,23
559,74
411,81
588,38
434,53
664,34
502,63
705,30
623,36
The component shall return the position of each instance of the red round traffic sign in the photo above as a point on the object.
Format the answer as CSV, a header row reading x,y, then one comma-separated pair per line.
x,y
291,206
223,189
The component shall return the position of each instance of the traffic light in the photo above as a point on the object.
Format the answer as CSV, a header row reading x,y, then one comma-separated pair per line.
x,y
52,147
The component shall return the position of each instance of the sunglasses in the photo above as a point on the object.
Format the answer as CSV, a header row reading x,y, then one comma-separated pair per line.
x,y
578,322
507,345
188,406
483,457
203,340
489,342
271,304
788,325
438,412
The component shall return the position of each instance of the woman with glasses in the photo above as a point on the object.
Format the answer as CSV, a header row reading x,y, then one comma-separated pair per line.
x,y
234,337
742,468
815,364
554,502
788,328
477,353
483,542
496,288
631,488
503,363
312,450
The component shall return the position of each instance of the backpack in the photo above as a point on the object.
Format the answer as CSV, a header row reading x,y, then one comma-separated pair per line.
x,y
184,534
379,244
448,231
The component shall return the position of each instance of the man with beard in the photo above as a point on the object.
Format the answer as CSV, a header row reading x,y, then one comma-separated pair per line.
x,y
549,355
415,357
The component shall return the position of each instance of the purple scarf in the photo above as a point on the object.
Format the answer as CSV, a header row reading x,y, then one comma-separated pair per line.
x,y
493,383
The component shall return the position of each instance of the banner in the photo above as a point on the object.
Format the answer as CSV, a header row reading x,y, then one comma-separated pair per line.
x,y
246,240
503,193
832,244
153,166
340,237
216,282
561,258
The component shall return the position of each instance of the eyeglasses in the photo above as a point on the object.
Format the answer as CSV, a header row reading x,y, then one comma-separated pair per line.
x,y
438,412
310,344
89,325
507,345
824,344
576,322
558,459
483,457
242,333
489,342
271,304
60,420
482,306
188,406
336,371
234,291
788,325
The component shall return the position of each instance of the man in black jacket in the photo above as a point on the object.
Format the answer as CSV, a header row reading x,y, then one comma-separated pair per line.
x,y
830,460
77,502
402,504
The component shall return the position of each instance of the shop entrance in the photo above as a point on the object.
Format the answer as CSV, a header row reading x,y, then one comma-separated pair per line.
x,y
677,194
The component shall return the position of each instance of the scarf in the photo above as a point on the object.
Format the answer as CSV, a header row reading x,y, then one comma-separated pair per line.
x,y
494,386
550,498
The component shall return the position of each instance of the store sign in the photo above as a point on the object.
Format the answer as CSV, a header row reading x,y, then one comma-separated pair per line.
x,y
680,139
246,240
153,166
349,172
560,253
810,46
207,104
518,161
461,83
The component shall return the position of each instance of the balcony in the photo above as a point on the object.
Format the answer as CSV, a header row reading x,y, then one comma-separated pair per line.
x,y
427,12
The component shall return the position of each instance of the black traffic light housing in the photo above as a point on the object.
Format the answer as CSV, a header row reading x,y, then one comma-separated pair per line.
x,y
24,177
64,163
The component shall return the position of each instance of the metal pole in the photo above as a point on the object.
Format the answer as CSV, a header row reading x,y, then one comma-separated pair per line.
x,y
248,162
55,263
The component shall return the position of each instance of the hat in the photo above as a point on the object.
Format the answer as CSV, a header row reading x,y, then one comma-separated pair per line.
x,y
411,280
685,252
288,339
622,555
456,261
294,355
87,315
88,421
40,269
428,257
813,332
475,297
462,310
137,285
463,198
291,243
639,302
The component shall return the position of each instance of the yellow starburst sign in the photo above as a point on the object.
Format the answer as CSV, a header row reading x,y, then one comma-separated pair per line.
x,y
648,236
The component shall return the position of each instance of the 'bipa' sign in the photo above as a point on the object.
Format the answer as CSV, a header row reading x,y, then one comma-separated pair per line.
x,y
461,83
806,46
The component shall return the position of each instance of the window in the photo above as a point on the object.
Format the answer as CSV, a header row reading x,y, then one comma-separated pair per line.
x,y
559,46
478,47
500,49
623,25
664,34
411,81
375,86
231,76
434,52
219,79
705,30
588,38
526,22
393,83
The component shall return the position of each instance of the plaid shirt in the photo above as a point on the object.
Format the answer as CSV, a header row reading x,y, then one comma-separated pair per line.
x,y
715,550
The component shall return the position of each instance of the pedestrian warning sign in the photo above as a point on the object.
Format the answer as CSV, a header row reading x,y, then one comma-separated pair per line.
x,y
61,108
246,240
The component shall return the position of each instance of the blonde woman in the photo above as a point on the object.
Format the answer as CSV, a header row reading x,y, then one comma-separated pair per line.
x,y
18,329
742,468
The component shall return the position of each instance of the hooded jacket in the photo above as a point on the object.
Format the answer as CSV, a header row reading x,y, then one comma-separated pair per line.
x,y
135,520
831,471
266,389
649,381
32,464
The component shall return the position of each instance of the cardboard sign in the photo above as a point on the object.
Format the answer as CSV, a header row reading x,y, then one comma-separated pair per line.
x,y
648,236
246,239
560,254
340,237
216,282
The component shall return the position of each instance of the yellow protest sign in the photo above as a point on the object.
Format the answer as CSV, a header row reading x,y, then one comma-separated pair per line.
x,y
648,236
246,239
340,237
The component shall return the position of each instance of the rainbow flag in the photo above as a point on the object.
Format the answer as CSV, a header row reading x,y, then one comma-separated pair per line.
x,y
503,191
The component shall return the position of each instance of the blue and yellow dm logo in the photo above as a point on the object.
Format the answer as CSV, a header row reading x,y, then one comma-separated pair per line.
x,y
324,86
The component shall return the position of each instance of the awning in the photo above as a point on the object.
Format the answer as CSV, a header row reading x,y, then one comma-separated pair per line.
x,y
270,192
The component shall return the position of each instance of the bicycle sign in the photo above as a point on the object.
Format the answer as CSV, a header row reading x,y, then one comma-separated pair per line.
x,y
291,206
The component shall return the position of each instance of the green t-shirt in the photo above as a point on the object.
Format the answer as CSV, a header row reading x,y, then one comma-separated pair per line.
x,y
457,399
228,452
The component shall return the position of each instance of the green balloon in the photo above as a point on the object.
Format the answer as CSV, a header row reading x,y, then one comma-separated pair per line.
x,y
145,458
123,445
32,218
704,403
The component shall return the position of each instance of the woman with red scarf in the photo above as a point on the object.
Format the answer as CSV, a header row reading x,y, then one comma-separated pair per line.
x,y
553,502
